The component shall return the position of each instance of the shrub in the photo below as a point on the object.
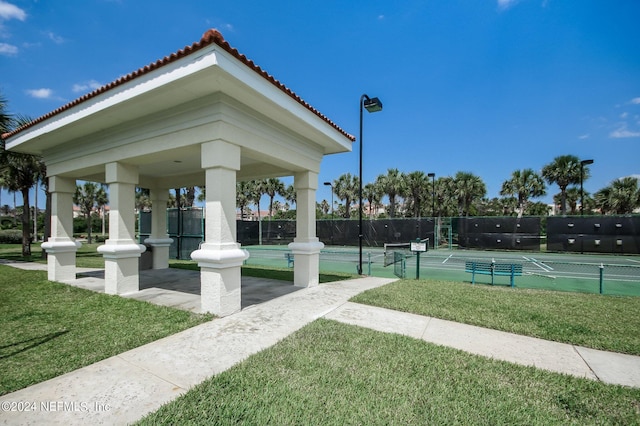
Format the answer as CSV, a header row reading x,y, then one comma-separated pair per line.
x,y
10,236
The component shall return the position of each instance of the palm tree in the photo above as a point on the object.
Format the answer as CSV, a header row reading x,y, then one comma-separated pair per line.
x,y
273,187
416,185
101,201
277,207
243,197
524,184
468,188
202,194
86,197
20,172
189,196
373,195
5,125
143,200
621,197
446,201
323,207
256,191
539,209
177,200
572,198
564,171
346,188
392,185
290,195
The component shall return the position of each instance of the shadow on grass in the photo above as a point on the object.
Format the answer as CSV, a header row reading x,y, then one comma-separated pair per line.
x,y
33,343
270,273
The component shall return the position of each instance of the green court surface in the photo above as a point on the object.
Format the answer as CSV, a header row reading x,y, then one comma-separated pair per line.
x,y
587,273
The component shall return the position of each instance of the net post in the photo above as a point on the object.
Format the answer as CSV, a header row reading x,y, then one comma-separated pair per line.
x,y
513,271
601,278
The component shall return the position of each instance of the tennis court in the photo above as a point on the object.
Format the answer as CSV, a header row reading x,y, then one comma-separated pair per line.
x,y
590,273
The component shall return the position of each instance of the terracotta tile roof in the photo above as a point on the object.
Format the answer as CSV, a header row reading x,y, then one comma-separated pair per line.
x,y
212,36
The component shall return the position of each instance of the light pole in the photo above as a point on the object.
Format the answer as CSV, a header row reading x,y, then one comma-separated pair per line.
x,y
433,193
331,185
582,164
372,105
433,208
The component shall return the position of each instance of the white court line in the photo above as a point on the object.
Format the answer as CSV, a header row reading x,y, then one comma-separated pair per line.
x,y
540,265
445,261
633,260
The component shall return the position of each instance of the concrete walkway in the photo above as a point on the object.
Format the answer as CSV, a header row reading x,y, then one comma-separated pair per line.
x,y
124,388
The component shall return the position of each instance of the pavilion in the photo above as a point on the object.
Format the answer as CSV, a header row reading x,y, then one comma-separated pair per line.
x,y
203,116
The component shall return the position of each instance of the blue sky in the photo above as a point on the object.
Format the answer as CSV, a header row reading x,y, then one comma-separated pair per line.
x,y
483,86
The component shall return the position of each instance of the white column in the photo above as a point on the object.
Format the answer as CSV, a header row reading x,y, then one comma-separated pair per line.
x,y
61,247
121,252
159,239
220,256
306,246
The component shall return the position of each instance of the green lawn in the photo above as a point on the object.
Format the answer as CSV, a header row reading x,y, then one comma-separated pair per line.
x,y
602,322
48,328
273,273
330,373
86,257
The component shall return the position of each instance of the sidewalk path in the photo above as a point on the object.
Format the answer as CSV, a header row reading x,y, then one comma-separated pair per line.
x,y
124,388
609,367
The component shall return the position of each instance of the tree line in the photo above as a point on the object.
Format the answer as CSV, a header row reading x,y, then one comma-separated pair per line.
x,y
417,194
413,194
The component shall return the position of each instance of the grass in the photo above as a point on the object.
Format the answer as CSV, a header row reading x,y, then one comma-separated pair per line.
x,y
269,272
48,329
601,322
87,255
329,373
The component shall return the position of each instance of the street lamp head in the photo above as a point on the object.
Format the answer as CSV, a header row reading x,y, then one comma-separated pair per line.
x,y
585,162
431,175
328,184
372,105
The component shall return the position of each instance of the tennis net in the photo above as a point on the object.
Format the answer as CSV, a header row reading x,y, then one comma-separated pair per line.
x,y
405,248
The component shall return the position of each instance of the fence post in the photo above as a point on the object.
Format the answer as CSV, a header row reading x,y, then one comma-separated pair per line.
x,y
601,278
369,262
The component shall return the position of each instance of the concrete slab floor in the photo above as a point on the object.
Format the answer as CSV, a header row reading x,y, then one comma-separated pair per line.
x,y
180,288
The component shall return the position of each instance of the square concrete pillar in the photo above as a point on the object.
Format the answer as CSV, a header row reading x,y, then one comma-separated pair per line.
x,y
60,246
159,239
220,256
306,246
220,281
121,252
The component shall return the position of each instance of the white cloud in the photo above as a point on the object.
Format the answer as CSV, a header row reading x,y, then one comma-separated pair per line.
x,y
623,132
8,49
506,4
40,93
635,101
624,115
85,87
55,38
585,136
10,11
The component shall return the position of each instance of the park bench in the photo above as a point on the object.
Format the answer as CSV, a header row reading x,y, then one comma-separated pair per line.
x,y
289,257
491,268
